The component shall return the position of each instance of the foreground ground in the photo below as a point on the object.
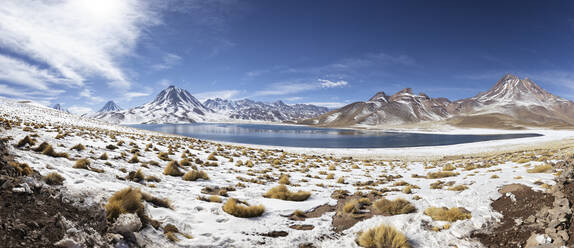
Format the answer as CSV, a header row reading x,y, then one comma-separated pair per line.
x,y
341,196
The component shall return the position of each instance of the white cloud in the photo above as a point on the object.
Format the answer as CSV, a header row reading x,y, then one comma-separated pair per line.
x,y
223,94
168,61
330,105
165,82
77,39
21,93
130,95
21,73
286,88
330,84
87,93
80,109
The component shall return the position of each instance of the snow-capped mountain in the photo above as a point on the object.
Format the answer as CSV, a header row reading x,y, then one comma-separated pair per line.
x,y
59,107
514,100
511,103
259,111
109,107
401,107
172,105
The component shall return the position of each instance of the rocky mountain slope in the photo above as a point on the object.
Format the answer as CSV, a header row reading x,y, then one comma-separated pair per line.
x,y
251,110
511,103
172,105
109,107
175,105
59,107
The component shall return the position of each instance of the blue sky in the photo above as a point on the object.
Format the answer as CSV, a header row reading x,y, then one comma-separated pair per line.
x,y
82,53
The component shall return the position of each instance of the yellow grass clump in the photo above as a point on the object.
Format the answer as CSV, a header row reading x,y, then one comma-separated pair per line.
x,y
172,169
441,174
540,168
78,147
134,159
460,187
53,178
284,179
394,207
233,207
128,200
21,168
282,192
83,163
104,156
448,214
26,141
383,236
194,175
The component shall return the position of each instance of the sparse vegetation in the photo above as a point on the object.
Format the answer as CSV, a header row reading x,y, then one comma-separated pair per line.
x,y
448,214
83,163
78,147
394,207
193,175
233,207
282,192
441,174
26,141
53,178
383,236
540,169
172,169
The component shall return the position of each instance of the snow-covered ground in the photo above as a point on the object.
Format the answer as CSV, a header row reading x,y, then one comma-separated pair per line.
x,y
210,226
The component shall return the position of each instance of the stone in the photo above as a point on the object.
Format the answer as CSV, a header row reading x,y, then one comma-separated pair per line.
x,y
127,223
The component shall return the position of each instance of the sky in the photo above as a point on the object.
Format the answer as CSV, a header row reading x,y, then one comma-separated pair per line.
x,y
82,53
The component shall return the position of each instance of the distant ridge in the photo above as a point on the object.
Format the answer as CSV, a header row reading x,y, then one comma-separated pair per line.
x,y
511,103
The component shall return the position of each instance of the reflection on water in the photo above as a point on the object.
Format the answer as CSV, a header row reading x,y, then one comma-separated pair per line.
x,y
302,136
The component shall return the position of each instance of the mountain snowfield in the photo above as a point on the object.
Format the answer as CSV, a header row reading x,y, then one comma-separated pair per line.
x,y
210,226
511,103
176,105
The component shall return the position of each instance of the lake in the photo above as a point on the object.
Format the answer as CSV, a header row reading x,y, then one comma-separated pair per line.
x,y
303,136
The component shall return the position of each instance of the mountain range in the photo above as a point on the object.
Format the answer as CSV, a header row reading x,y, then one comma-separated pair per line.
x,y
176,105
511,103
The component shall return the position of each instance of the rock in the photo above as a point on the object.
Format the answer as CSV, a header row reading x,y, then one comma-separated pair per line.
x,y
531,219
127,223
67,243
563,234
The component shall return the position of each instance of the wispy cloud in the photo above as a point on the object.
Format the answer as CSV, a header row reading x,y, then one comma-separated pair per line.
x,y
87,93
331,84
330,105
80,109
287,88
74,39
130,95
223,94
168,61
22,93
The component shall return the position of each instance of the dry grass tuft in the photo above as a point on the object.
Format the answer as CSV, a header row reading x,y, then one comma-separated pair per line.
x,y
78,147
26,141
127,200
53,178
284,179
394,207
448,214
21,168
134,159
194,175
282,192
383,236
83,163
460,187
48,150
104,156
540,168
233,207
172,169
441,174
136,176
